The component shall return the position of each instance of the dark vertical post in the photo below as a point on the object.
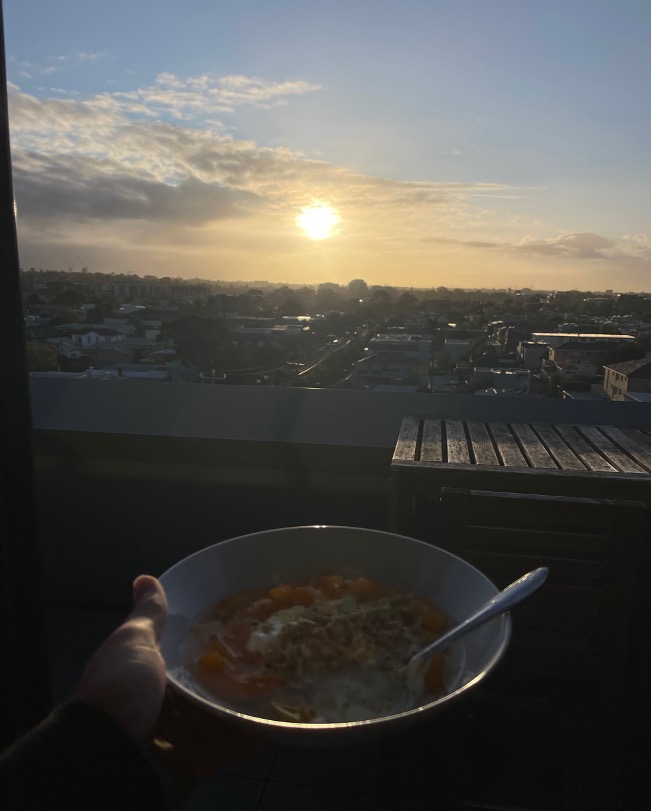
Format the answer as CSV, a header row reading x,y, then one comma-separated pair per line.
x,y
24,680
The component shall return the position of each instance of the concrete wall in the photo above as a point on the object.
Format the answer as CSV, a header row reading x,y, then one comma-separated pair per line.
x,y
279,414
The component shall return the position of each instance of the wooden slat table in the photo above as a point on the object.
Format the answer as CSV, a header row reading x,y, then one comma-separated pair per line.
x,y
603,462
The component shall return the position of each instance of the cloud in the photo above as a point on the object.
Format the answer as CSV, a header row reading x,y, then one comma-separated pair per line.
x,y
100,158
79,193
579,245
207,95
585,245
634,246
54,64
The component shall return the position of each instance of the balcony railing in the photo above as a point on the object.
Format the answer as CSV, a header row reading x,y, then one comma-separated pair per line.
x,y
133,476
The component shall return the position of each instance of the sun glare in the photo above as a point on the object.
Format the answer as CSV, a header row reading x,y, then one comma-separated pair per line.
x,y
317,221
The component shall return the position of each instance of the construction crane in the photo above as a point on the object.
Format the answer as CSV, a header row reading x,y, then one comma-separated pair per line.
x,y
79,260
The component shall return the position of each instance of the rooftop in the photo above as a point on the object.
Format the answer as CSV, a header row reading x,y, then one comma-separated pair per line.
x,y
585,336
640,368
581,346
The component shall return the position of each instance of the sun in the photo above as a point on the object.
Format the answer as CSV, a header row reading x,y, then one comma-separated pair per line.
x,y
318,221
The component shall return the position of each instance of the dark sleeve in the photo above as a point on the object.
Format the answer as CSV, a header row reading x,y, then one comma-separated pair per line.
x,y
78,758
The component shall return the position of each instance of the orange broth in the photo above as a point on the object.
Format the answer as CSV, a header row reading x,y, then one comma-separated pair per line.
x,y
269,652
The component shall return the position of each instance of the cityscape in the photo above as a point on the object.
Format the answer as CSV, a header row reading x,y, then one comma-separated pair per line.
x,y
523,343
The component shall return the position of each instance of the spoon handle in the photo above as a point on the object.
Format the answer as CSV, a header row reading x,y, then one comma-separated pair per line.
x,y
510,596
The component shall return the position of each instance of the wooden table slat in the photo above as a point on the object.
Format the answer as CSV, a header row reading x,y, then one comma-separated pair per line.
x,y
508,449
609,451
590,457
483,449
406,446
535,451
640,436
587,461
431,446
561,453
456,443
635,443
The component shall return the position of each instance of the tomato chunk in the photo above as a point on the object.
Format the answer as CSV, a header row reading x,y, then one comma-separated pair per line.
x,y
285,595
281,595
331,586
232,604
365,590
303,596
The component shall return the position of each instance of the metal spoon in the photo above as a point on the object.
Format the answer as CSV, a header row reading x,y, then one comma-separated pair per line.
x,y
510,596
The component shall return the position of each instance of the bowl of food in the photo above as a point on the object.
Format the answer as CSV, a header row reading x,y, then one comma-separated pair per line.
x,y
304,633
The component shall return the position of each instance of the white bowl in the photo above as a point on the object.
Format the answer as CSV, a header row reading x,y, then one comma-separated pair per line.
x,y
195,584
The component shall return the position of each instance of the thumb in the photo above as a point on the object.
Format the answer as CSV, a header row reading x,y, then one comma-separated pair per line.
x,y
150,602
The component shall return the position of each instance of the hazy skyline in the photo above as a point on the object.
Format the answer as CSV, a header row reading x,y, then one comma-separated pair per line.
x,y
464,143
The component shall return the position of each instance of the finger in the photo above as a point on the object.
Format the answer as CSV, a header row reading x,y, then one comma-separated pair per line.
x,y
150,602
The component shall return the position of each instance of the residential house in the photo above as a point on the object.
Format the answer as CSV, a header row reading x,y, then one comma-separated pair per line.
x,y
626,378
87,336
107,353
394,358
459,348
122,326
126,349
140,347
442,383
399,342
530,353
66,347
578,369
386,367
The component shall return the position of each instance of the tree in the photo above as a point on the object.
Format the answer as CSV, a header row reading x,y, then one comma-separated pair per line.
x,y
64,315
406,302
381,302
331,324
568,300
69,298
327,299
199,340
102,310
292,306
40,356
627,351
249,302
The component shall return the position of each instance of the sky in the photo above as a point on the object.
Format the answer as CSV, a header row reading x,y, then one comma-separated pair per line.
x,y
456,143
